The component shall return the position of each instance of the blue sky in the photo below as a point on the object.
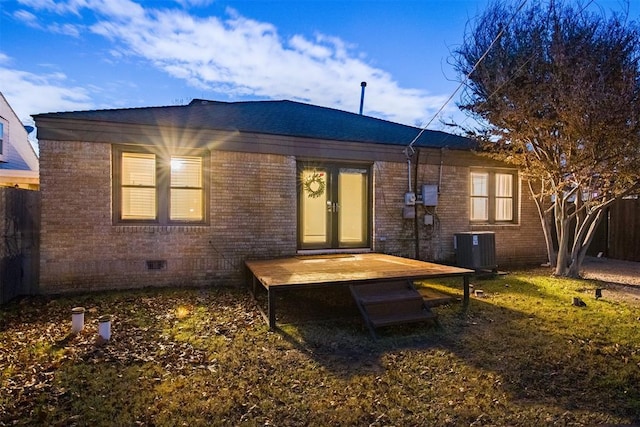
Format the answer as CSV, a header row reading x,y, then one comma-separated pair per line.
x,y
92,54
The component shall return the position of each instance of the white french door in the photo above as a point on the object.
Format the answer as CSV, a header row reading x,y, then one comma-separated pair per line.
x,y
333,206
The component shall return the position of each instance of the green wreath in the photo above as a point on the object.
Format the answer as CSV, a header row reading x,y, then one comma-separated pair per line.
x,y
314,185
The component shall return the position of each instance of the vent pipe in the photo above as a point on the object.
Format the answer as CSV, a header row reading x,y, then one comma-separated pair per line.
x,y
363,85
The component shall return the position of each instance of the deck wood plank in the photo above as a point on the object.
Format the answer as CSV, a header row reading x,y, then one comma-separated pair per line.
x,y
328,270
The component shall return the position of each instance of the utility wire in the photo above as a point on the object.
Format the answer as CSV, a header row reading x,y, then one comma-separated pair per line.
x,y
409,149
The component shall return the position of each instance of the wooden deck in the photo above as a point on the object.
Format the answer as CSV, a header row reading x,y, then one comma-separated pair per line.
x,y
330,270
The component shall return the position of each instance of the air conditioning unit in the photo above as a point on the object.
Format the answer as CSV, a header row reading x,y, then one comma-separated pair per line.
x,y
476,250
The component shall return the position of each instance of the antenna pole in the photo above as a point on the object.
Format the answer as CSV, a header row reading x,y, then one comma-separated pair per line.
x,y
363,85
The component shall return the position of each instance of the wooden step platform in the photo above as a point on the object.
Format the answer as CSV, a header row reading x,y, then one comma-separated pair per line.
x,y
387,303
433,298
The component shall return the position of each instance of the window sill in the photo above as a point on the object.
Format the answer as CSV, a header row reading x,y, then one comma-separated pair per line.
x,y
162,229
502,226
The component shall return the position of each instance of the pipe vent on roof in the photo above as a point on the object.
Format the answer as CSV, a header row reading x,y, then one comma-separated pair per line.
x,y
362,85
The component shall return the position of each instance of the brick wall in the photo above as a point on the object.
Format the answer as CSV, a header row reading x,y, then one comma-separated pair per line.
x,y
251,217
516,244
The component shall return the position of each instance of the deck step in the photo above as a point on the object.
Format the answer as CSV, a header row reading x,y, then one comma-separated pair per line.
x,y
391,296
433,298
388,303
400,318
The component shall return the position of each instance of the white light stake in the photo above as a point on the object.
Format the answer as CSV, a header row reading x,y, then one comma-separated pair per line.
x,y
104,327
77,319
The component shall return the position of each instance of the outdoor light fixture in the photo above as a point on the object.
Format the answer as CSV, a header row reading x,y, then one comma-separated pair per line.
x,y
104,327
77,319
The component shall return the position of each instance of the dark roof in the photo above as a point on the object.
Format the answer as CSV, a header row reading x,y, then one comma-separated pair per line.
x,y
287,118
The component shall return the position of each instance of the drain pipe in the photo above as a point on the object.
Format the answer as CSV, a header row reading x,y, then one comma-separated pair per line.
x,y
409,152
363,85
409,175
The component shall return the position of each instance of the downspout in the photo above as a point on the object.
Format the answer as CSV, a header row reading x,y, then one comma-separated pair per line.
x,y
440,169
416,227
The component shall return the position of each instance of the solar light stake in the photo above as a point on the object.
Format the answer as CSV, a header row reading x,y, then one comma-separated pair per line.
x,y
104,327
77,319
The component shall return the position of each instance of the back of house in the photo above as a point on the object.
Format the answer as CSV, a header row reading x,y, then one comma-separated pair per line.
x,y
184,195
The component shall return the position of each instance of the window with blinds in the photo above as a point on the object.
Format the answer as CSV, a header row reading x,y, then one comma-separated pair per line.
x,y
155,188
479,196
504,197
138,186
493,197
186,189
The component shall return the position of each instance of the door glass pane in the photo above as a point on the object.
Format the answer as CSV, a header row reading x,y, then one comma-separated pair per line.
x,y
352,197
314,206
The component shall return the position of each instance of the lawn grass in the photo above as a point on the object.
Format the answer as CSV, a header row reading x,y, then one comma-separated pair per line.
x,y
522,355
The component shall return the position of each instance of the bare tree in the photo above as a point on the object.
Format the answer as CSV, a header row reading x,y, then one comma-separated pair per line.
x,y
558,95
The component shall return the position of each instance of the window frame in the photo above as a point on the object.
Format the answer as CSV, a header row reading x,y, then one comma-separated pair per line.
x,y
163,185
492,196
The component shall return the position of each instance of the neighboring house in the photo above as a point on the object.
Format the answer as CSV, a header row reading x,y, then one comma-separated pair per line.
x,y
183,195
18,159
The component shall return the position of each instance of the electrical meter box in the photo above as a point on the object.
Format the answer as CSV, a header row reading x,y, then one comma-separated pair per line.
x,y
410,199
430,195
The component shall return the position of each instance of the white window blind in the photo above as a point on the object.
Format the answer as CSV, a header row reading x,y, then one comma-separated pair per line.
x,y
186,188
138,186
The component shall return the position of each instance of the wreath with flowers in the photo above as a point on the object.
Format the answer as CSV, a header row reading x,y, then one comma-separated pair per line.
x,y
314,185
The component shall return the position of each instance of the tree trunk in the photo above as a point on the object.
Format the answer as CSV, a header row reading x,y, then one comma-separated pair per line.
x,y
583,238
563,224
546,221
547,226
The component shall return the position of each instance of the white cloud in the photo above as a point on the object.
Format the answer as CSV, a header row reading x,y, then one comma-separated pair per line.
x,y
26,17
30,94
196,3
239,56
71,6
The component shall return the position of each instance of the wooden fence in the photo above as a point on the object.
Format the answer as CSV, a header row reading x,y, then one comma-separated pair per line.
x,y
19,242
624,230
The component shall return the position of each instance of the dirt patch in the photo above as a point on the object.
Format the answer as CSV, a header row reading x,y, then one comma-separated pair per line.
x,y
612,271
620,279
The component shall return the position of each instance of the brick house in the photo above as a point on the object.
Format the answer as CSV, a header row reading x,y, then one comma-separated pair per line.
x,y
183,195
